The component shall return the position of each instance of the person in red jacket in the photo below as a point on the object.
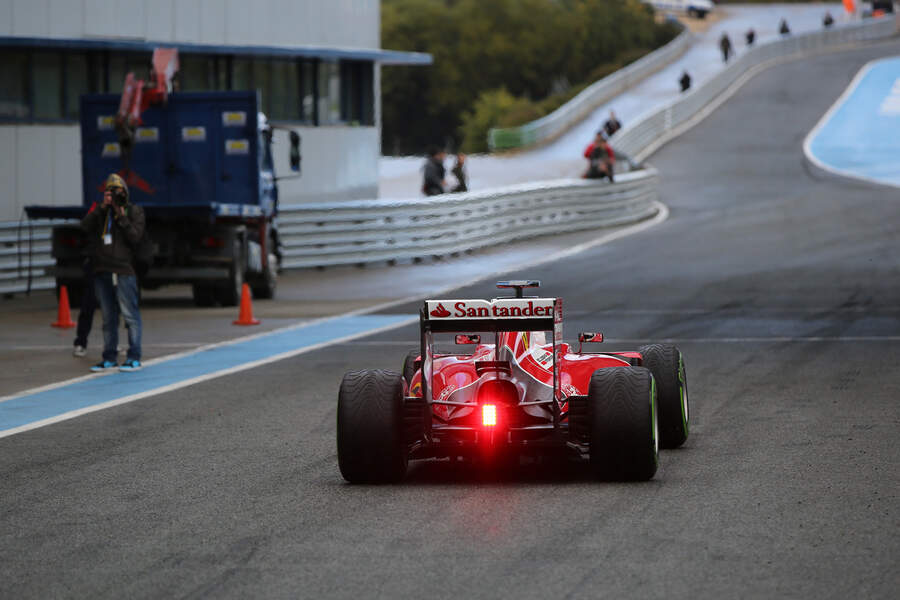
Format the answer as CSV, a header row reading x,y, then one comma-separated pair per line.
x,y
601,159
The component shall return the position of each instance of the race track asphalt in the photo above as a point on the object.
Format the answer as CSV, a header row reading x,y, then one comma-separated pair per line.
x,y
781,288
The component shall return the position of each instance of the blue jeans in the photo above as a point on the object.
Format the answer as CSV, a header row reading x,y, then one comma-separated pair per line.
x,y
113,300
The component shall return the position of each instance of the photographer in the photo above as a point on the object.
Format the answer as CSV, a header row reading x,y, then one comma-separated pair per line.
x,y
116,228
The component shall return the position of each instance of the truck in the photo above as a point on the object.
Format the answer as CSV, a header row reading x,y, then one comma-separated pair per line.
x,y
201,166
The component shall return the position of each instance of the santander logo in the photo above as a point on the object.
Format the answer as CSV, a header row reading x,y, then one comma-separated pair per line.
x,y
440,312
501,308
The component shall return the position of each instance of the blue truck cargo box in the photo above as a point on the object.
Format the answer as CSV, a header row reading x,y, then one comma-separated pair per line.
x,y
201,152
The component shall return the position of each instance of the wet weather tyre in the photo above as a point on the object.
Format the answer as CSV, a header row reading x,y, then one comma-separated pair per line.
x,y
667,365
409,366
370,427
622,424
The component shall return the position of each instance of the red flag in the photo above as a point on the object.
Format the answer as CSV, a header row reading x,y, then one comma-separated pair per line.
x,y
849,6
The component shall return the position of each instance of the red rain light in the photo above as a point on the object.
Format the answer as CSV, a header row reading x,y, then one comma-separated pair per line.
x,y
488,415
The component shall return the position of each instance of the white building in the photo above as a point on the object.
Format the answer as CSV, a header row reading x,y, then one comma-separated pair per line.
x,y
314,62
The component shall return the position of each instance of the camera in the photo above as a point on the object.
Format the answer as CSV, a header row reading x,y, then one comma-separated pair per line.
x,y
119,197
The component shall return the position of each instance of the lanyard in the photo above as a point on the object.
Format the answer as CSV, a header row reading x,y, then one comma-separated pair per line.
x,y
108,222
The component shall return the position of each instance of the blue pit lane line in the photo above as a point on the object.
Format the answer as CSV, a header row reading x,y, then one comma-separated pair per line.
x,y
860,135
26,411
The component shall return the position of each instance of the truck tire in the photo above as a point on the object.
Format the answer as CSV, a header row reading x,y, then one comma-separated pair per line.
x,y
204,294
371,444
667,365
622,424
228,292
265,288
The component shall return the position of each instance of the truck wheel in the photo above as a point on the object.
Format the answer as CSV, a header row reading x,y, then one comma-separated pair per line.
x,y
204,294
229,291
622,424
667,365
409,366
370,441
265,289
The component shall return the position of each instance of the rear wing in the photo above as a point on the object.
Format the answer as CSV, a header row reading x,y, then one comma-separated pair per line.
x,y
501,314
498,315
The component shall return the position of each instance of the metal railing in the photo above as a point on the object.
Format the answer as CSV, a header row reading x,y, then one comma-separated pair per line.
x,y
383,230
25,256
588,100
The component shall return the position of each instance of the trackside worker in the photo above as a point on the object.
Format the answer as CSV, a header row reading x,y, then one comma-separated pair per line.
x,y
117,227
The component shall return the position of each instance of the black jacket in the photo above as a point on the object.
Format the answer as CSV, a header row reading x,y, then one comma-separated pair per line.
x,y
434,177
126,232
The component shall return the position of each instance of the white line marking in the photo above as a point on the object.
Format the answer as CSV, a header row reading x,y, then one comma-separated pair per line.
x,y
199,379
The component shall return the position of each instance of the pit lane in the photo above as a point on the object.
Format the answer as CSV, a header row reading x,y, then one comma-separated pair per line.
x,y
782,291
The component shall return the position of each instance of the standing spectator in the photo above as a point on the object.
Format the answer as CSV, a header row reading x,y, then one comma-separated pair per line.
x,y
601,159
828,20
685,81
117,227
459,172
783,28
88,296
750,36
725,46
611,125
434,172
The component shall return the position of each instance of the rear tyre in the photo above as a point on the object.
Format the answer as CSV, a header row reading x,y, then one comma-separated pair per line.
x,y
409,366
370,427
622,424
667,365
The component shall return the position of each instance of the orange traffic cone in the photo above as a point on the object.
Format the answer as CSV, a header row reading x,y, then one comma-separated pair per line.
x,y
63,315
245,317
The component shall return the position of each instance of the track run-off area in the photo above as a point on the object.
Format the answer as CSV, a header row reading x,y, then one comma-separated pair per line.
x,y
780,286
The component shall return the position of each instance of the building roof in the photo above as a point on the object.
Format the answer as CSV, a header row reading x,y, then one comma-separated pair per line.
x,y
386,57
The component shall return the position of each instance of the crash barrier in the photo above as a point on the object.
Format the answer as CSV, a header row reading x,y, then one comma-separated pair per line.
x,y
368,231
25,256
657,126
588,100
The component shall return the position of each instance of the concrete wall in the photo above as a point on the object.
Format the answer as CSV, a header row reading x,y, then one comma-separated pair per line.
x,y
347,23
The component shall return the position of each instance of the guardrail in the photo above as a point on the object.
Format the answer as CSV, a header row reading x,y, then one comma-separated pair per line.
x,y
588,100
657,126
25,255
383,230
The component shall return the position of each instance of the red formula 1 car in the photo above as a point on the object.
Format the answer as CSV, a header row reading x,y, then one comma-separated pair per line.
x,y
516,394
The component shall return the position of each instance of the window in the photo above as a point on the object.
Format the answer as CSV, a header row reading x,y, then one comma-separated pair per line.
x,y
14,84
329,93
357,107
308,90
77,82
122,63
197,73
285,90
47,80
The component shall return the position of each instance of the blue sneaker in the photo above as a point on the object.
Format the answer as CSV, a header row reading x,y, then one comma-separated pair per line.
x,y
131,365
103,366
